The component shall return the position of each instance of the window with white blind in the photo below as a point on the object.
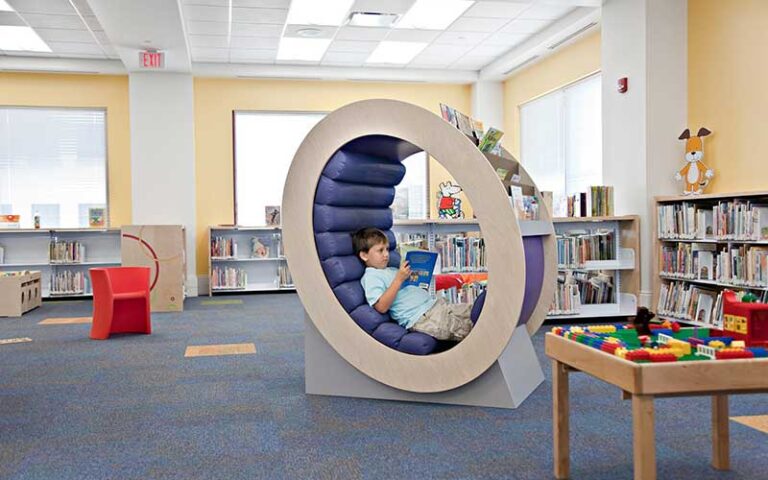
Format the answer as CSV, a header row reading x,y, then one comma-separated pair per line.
x,y
52,161
265,143
561,138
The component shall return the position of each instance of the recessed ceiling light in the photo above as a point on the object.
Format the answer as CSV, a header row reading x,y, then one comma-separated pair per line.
x,y
308,32
433,14
396,52
372,19
21,39
309,49
4,7
315,12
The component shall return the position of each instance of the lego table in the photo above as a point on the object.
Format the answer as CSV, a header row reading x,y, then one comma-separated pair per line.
x,y
643,382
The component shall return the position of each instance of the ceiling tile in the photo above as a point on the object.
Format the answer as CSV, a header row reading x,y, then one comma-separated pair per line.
x,y
473,61
253,55
284,4
208,28
11,53
546,12
38,20
206,13
525,26
461,38
477,24
507,40
506,10
362,33
408,35
102,38
93,22
255,42
209,41
451,51
259,15
320,31
489,49
55,7
256,30
215,3
344,58
70,47
210,53
350,46
64,35
430,61
204,59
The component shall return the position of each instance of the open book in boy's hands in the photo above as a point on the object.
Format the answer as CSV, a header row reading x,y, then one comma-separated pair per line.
x,y
422,265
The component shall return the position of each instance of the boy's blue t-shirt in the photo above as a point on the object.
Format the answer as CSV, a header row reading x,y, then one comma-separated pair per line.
x,y
410,303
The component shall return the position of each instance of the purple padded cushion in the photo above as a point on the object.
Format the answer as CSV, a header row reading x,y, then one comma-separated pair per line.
x,y
349,219
368,318
417,343
384,146
389,334
365,169
336,244
478,307
343,194
342,269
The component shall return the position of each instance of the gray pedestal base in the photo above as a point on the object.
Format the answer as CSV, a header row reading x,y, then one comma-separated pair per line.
x,y
506,384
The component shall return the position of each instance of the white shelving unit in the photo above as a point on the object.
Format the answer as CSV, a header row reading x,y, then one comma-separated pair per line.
x,y
263,273
29,250
701,202
625,268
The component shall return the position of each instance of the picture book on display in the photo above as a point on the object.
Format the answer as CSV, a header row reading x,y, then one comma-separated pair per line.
x,y
422,265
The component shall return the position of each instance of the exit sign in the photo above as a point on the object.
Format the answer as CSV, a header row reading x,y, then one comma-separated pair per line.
x,y
151,59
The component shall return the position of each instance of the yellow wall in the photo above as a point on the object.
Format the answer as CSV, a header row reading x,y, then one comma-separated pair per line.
x,y
102,91
561,68
215,99
727,75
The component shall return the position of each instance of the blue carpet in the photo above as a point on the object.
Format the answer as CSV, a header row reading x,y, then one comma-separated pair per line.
x,y
133,407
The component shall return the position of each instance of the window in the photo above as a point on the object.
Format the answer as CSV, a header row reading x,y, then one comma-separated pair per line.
x,y
561,138
265,143
52,160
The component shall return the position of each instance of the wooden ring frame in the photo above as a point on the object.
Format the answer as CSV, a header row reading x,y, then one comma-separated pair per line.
x,y
503,242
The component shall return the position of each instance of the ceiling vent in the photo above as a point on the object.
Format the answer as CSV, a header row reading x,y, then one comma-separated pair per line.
x,y
521,65
372,19
572,35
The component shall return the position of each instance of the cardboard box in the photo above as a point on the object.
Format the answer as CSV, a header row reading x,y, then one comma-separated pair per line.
x,y
20,292
161,248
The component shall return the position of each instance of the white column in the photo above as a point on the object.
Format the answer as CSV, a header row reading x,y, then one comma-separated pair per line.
x,y
488,103
645,41
163,156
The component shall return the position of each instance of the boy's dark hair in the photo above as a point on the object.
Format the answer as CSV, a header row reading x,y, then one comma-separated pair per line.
x,y
365,238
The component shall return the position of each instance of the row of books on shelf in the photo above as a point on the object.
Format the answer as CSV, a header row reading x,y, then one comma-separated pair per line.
x,y
684,301
574,289
284,276
236,278
260,247
575,247
467,293
526,207
728,220
486,140
68,282
745,265
597,202
459,253
66,252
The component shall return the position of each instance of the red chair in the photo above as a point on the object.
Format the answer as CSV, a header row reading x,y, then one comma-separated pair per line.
x,y
448,280
120,301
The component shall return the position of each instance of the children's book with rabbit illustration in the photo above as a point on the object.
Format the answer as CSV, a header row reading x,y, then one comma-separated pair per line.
x,y
422,265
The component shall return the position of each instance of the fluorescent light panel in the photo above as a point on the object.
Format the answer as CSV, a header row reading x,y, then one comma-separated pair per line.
x,y
21,39
372,19
433,14
4,7
318,12
396,52
309,49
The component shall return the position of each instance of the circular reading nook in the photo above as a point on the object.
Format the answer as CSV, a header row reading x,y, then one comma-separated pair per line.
x,y
343,178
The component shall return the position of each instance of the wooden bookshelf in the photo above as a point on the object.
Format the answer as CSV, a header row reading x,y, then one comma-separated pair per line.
x,y
625,268
705,201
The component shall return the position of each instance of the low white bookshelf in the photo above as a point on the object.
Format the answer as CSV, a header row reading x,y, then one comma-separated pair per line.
x,y
231,251
28,249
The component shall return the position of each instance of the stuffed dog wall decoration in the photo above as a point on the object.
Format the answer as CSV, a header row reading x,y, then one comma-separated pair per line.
x,y
695,175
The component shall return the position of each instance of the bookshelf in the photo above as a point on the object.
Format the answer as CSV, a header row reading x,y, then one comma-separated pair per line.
x,y
246,259
63,256
619,263
704,244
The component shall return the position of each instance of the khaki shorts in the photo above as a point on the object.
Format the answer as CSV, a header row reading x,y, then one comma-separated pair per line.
x,y
446,321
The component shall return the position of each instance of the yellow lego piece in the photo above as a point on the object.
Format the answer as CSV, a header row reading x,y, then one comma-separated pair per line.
x,y
717,344
738,344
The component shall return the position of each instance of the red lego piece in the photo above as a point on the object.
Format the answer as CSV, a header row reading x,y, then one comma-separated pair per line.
x,y
635,355
733,354
663,357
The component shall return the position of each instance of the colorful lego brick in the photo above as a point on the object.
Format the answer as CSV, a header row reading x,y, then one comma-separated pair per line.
x,y
733,353
759,352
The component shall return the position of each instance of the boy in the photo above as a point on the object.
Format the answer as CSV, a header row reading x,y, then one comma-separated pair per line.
x,y
411,307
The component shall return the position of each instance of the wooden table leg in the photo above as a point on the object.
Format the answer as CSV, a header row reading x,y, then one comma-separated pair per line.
x,y
643,437
720,436
560,413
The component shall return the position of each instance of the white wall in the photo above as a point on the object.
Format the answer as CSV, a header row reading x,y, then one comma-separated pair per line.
x,y
163,155
644,40
488,103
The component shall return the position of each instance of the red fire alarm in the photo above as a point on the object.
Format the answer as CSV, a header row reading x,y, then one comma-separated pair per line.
x,y
621,85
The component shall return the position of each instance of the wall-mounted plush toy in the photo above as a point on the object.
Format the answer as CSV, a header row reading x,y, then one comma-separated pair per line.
x,y
448,202
695,175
